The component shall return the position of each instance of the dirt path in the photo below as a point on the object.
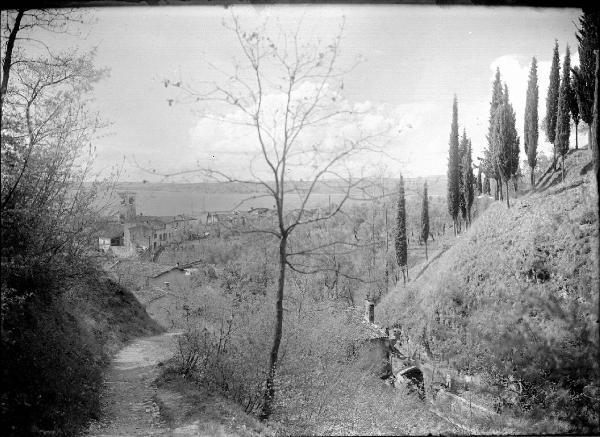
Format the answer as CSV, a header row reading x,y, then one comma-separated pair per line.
x,y
130,403
128,408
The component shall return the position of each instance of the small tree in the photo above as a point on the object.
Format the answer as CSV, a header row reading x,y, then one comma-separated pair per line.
x,y
400,240
453,168
552,98
425,218
563,127
530,137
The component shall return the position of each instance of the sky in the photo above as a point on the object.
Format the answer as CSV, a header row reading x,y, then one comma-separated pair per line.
x,y
413,60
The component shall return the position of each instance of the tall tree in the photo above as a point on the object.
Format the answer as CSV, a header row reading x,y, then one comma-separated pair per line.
x,y
285,90
552,98
530,134
588,36
425,218
462,200
490,164
453,168
400,240
513,165
468,179
595,136
479,181
504,140
573,104
487,189
563,119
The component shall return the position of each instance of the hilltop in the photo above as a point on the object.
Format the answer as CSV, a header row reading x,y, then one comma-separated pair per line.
x,y
516,296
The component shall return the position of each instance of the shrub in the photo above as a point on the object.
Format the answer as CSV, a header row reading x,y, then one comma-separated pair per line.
x,y
51,368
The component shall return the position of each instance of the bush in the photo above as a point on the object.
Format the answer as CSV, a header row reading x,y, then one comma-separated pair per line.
x,y
51,368
225,346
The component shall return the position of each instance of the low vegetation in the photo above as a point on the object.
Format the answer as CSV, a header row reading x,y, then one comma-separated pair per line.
x,y
58,334
516,297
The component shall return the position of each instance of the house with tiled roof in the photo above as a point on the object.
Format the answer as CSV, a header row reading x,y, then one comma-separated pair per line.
x,y
109,235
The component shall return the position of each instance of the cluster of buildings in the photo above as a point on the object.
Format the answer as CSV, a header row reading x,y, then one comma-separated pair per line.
x,y
128,232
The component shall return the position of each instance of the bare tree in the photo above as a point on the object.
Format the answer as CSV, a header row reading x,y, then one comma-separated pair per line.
x,y
47,131
287,93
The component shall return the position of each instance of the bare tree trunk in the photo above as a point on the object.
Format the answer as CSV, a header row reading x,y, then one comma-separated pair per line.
x,y
426,258
269,388
532,178
507,195
562,169
10,44
594,138
576,143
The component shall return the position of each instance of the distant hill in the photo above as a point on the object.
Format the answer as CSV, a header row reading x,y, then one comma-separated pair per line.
x,y
436,186
517,295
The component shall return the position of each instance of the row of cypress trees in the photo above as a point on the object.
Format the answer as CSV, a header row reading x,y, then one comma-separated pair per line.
x,y
460,174
571,94
501,156
570,97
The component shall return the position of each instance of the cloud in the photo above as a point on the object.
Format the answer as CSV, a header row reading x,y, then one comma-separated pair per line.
x,y
223,140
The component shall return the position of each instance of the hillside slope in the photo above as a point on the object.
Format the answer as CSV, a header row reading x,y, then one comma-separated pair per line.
x,y
517,296
56,341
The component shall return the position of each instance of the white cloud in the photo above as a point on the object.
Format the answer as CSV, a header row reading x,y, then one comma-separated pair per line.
x,y
223,142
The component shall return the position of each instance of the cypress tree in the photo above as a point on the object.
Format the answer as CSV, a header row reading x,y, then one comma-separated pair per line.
x,y
497,98
400,241
530,137
462,199
453,168
486,186
552,98
505,140
573,104
468,179
563,126
425,218
588,36
479,181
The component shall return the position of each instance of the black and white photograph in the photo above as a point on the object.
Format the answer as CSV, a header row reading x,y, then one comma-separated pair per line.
x,y
247,219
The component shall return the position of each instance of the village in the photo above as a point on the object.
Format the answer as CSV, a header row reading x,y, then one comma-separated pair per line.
x,y
272,220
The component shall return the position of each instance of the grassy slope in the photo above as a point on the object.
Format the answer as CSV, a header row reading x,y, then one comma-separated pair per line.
x,y
109,313
520,284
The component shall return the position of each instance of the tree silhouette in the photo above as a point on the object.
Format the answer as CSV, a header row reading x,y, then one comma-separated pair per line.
x,y
401,243
530,135
425,218
563,118
453,168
